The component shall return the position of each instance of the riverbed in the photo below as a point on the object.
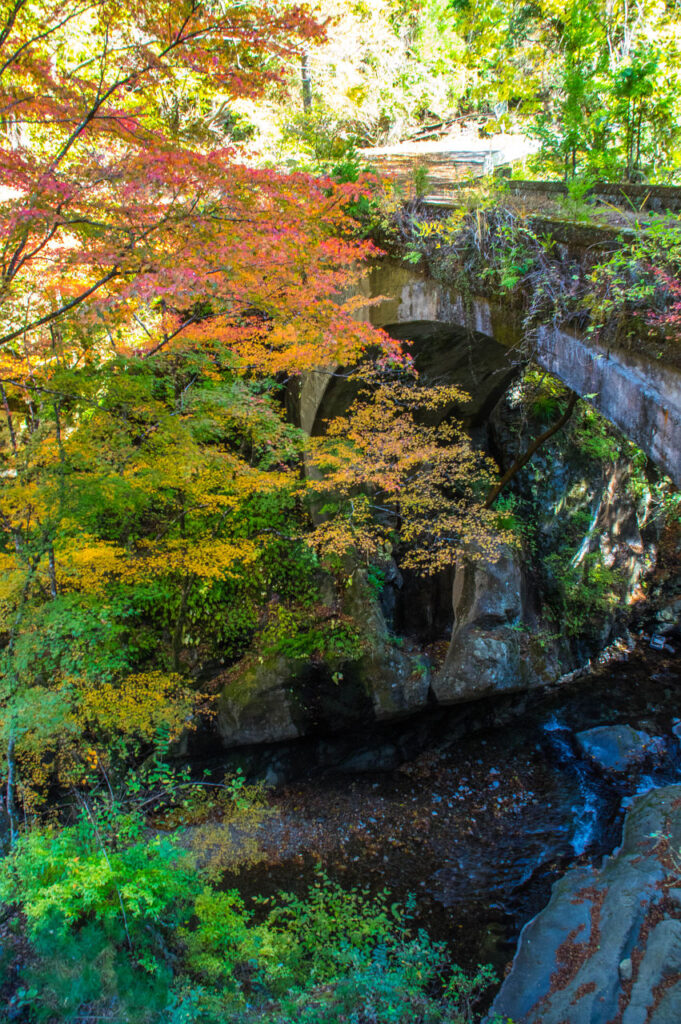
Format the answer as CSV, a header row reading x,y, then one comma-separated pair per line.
x,y
477,826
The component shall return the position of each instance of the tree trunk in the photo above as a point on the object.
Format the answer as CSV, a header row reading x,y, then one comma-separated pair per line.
x,y
177,634
8,414
52,572
11,791
523,459
307,81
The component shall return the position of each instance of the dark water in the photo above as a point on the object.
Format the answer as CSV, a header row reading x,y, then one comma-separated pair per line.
x,y
479,826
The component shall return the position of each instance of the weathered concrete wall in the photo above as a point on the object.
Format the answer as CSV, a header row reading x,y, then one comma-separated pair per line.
x,y
408,297
639,396
659,198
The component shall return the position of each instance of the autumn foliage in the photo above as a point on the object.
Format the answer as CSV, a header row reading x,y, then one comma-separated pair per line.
x,y
158,298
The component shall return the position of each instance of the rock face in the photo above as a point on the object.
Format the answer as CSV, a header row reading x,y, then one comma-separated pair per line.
x,y
488,652
608,945
617,748
510,633
274,699
505,637
396,678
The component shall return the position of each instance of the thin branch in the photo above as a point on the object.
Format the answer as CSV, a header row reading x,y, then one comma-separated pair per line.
x,y
42,35
49,317
523,459
11,18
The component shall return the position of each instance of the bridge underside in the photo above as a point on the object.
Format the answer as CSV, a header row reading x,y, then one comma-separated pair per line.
x,y
442,353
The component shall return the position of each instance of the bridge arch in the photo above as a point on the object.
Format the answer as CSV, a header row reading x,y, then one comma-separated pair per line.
x,y
638,395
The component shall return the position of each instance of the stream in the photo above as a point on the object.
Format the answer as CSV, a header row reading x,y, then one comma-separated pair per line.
x,y
478,826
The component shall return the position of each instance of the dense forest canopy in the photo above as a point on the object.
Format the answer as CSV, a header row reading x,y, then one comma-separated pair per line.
x,y
596,85
182,219
158,295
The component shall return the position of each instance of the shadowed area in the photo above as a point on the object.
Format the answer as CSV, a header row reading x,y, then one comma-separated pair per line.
x,y
443,354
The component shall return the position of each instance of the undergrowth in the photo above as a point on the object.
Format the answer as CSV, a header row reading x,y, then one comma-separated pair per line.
x,y
624,293
112,920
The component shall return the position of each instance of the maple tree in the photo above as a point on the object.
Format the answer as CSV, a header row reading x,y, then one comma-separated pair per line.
x,y
132,268
156,295
392,463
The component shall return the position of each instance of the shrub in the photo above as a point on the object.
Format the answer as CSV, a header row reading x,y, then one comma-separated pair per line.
x,y
122,928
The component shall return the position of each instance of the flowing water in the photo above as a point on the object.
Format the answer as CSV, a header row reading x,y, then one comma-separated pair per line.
x,y
482,819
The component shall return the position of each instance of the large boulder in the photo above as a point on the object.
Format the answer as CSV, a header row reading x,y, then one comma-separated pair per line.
x,y
616,749
254,706
608,945
273,698
490,651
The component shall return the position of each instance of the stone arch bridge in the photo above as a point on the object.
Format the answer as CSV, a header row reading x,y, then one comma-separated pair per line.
x,y
637,394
